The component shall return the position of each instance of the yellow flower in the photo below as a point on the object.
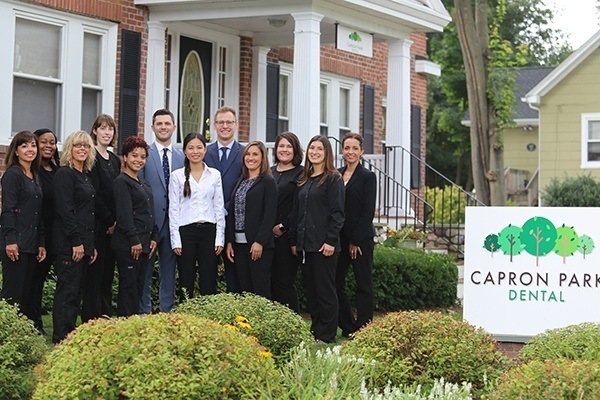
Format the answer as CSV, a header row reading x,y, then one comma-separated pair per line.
x,y
266,354
253,338
231,327
242,322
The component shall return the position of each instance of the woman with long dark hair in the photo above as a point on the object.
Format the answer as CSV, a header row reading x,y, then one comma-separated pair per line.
x,y
49,165
97,296
73,231
287,157
196,218
251,218
22,233
320,211
357,236
135,234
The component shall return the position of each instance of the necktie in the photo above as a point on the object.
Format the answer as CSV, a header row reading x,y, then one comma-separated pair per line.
x,y
223,157
165,166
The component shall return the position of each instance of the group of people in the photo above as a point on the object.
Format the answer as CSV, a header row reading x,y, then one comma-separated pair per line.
x,y
89,210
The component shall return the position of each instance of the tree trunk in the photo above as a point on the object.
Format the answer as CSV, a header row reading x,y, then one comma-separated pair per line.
x,y
487,157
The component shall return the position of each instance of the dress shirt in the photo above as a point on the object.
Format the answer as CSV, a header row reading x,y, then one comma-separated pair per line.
x,y
205,203
21,218
220,146
160,149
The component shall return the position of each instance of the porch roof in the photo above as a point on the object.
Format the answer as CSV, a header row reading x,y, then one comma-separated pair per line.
x,y
270,23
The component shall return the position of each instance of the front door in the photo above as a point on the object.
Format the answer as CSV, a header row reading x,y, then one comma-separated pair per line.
x,y
195,61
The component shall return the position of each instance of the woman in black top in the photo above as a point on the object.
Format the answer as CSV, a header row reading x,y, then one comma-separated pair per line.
x,y
249,227
73,230
134,238
320,217
49,165
357,236
287,158
22,233
97,293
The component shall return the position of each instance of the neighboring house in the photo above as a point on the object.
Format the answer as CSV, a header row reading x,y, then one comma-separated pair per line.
x,y
568,100
521,141
276,61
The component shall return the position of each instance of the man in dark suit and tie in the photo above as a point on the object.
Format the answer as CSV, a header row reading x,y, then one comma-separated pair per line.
x,y
226,156
163,159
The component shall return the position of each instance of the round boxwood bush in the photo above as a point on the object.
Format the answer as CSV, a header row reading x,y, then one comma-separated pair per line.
x,y
275,326
420,347
551,380
578,191
575,342
162,356
21,348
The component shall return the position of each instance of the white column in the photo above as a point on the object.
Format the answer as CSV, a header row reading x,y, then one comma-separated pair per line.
x,y
398,110
155,74
258,108
304,118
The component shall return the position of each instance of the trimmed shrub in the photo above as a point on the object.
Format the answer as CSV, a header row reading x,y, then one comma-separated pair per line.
x,y
21,348
579,191
328,374
412,279
275,326
551,380
449,204
420,347
575,342
161,356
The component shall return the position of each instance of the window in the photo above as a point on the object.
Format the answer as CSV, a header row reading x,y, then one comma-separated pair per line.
x,y
323,108
590,140
344,112
60,72
285,95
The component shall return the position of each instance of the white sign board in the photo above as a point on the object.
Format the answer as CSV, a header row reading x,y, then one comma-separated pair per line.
x,y
529,269
354,41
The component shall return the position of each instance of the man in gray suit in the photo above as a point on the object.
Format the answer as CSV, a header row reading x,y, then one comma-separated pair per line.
x,y
226,156
163,159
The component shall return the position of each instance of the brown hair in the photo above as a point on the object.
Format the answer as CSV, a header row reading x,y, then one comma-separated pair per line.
x,y
264,163
296,146
104,119
308,166
355,136
163,111
11,158
225,109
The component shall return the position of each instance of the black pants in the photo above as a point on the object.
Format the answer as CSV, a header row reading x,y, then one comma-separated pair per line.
x,y
283,274
91,306
67,298
318,276
363,267
17,277
254,276
108,262
197,246
132,276
40,274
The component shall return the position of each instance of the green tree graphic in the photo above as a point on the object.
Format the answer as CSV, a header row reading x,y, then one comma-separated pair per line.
x,y
354,36
538,236
510,241
491,244
586,245
567,241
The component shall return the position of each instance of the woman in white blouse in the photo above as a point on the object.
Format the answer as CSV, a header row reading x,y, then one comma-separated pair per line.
x,y
196,219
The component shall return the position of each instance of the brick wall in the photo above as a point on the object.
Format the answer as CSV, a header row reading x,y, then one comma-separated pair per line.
x,y
245,88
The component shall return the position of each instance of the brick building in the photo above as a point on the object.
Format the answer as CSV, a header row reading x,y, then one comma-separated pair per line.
x,y
275,61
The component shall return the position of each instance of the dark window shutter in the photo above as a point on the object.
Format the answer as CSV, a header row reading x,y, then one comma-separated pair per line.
x,y
272,101
129,89
415,146
368,117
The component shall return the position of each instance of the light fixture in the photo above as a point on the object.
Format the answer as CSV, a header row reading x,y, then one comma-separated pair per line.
x,y
277,22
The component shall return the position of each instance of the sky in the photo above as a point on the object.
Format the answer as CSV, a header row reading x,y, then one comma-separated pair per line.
x,y
578,18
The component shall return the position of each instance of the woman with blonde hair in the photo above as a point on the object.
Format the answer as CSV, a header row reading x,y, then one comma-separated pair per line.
x,y
320,211
249,227
73,230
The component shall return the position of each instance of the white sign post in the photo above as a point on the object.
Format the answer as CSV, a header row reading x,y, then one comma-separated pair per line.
x,y
531,269
354,41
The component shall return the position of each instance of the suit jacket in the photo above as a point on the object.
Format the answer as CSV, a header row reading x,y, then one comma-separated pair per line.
x,y
359,207
153,174
232,170
261,209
